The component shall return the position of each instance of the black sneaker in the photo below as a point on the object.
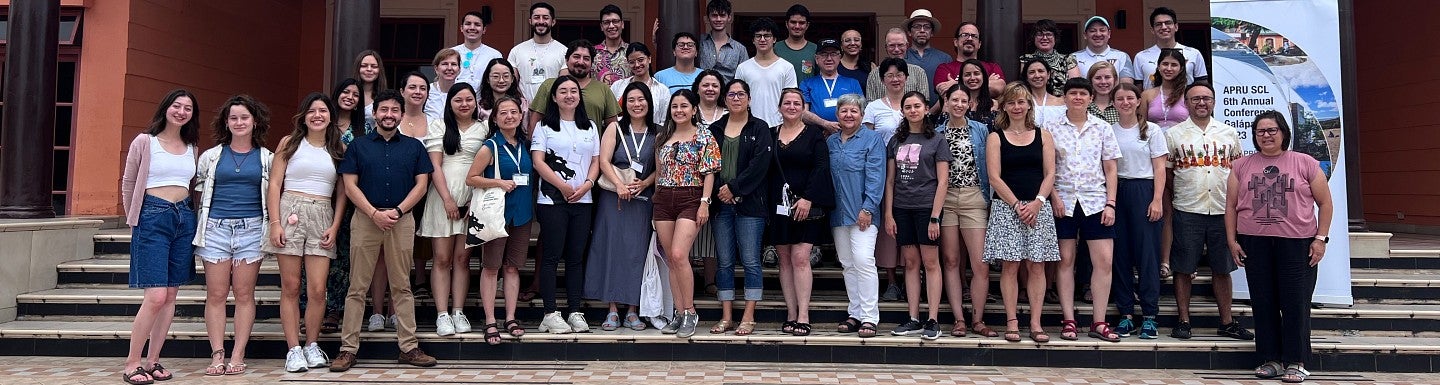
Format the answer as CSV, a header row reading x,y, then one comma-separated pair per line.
x,y
1182,331
909,327
1234,330
931,330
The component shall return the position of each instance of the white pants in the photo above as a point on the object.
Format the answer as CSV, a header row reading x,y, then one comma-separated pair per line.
x,y
856,249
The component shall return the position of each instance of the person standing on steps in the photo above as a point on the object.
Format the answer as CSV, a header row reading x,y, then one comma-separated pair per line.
x,y
683,74
541,57
686,160
918,165
919,28
795,48
565,152
766,73
155,191
452,143
822,92
745,150
800,183
719,50
474,54
386,174
612,54
1140,206
515,170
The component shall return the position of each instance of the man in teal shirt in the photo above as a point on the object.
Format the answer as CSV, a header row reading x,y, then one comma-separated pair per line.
x,y
796,50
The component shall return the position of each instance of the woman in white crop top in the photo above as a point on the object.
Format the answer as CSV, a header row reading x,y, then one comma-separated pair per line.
x,y
156,190
304,221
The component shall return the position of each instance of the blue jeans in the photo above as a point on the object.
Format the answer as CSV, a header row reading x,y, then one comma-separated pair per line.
x,y
734,231
160,251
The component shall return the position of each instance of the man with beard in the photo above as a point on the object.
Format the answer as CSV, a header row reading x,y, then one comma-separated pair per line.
x,y
474,55
967,46
1163,24
1201,150
718,51
682,75
795,49
540,57
822,92
385,175
610,54
920,28
600,104
1097,39
895,46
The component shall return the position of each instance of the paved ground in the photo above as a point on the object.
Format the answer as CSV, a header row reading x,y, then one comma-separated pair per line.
x,y
63,370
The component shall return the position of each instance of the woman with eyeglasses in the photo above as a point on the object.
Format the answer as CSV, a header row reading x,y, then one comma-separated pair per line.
x,y
883,116
740,207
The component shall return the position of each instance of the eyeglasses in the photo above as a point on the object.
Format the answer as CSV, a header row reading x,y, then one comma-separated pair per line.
x,y
1050,35
764,36
611,22
500,76
1267,132
737,94
967,35
1202,99
1165,23
894,75
685,45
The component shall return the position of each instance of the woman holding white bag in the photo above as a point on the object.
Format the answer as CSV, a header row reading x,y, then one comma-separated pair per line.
x,y
512,173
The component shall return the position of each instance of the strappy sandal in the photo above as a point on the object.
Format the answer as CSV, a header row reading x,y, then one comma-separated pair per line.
x,y
331,324
984,331
1068,331
492,334
156,367
867,330
612,322
746,328
1295,374
959,329
801,329
235,369
139,371
1102,331
1012,334
787,327
1039,336
514,328
1269,370
633,322
1165,271
849,325
216,369
722,326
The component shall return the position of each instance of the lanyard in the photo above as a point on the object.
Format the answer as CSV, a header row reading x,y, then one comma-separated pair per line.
x,y
830,86
637,144
506,146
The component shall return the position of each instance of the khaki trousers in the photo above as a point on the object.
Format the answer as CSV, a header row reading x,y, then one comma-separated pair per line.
x,y
366,242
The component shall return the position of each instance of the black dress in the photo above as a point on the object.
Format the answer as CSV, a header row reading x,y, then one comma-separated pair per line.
x,y
804,163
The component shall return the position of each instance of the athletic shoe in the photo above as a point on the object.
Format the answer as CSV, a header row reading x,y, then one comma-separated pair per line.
x,y
462,324
892,293
931,331
910,327
393,320
1125,327
577,323
554,323
1149,330
295,360
314,356
688,324
377,323
667,325
1234,330
1182,331
444,326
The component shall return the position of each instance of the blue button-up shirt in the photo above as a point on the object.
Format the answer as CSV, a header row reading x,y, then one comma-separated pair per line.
x,y
386,169
857,168
725,59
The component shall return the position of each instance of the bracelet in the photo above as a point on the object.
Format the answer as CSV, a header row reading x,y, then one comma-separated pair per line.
x,y
1111,206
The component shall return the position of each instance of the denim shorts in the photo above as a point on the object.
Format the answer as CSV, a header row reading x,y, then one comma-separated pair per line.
x,y
233,239
160,251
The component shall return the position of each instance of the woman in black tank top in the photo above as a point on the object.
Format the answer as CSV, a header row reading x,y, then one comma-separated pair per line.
x,y
1021,162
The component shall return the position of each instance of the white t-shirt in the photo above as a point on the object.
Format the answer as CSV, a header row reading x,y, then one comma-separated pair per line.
x,y
765,84
885,119
568,153
535,63
435,102
1146,62
473,62
659,98
1084,58
1135,154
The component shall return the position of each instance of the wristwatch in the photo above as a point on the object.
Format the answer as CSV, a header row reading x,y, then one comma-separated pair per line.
x,y
934,219
705,200
1322,239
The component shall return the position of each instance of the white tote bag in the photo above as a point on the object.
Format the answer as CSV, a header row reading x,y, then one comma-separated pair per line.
x,y
486,221
655,299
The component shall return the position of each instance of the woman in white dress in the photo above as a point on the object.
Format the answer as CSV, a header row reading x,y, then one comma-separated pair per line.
x,y
452,144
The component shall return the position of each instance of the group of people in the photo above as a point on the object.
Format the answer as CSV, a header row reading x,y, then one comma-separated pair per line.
x,y
924,161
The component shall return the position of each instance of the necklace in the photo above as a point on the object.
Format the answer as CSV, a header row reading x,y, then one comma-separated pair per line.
x,y
241,160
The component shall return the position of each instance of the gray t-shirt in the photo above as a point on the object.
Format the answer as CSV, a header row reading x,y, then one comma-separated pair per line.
x,y
915,169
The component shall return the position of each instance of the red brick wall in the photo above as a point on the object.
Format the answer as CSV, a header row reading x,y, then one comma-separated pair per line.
x,y
1399,135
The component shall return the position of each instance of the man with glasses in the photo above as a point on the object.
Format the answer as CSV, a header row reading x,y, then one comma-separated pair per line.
x,y
920,27
1097,39
967,46
796,49
718,51
474,55
541,57
1201,149
766,73
1163,24
610,55
682,75
1062,66
896,43
822,92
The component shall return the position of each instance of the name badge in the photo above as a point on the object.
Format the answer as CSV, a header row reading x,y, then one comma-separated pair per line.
x,y
832,102
639,168
537,79
521,179
782,210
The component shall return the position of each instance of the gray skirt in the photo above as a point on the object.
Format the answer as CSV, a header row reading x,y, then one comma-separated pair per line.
x,y
1010,240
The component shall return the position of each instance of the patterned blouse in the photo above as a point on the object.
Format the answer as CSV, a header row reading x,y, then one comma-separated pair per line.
x,y
685,164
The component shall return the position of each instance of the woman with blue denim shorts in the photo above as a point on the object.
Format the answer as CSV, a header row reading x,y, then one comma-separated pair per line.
x,y
231,180
156,196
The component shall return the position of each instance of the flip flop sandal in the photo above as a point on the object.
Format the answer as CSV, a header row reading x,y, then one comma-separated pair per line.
x,y
216,369
1068,331
787,327
867,330
234,369
156,367
849,325
801,329
1269,370
1039,336
984,331
492,334
139,371
514,328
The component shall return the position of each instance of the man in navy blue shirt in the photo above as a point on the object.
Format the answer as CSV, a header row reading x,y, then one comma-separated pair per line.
x,y
385,173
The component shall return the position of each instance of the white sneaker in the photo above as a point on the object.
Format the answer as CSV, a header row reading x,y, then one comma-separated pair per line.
x,y
554,323
316,357
462,323
377,323
295,360
394,320
444,326
578,324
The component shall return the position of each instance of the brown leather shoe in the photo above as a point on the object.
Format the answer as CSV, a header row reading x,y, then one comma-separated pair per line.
x,y
416,357
343,361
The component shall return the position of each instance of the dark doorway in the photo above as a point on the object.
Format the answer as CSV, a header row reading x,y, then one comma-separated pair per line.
x,y
409,45
822,26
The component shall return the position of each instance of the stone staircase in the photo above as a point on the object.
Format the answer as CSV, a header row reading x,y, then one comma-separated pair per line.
x,y
1394,325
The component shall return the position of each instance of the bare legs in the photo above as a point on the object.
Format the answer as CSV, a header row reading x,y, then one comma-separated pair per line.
x,y
928,257
315,267
220,279
676,238
796,280
451,274
1034,289
152,323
